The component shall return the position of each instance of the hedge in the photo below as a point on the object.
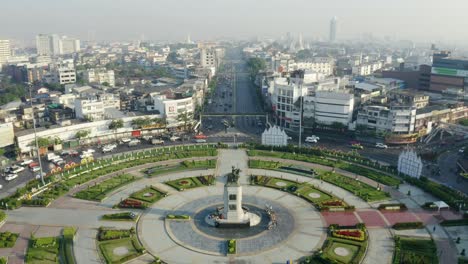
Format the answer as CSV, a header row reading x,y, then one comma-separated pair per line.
x,y
402,206
408,225
457,222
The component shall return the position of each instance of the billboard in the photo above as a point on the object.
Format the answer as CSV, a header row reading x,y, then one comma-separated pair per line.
x,y
450,72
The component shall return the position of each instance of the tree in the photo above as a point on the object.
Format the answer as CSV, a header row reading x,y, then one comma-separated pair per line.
x,y
105,84
186,118
42,142
82,134
255,65
116,124
337,126
172,57
141,122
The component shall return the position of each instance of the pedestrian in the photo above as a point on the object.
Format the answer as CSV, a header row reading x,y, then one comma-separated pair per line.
x,y
433,229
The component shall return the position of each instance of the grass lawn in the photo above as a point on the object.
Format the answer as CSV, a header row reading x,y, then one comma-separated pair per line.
x,y
8,239
362,190
415,250
43,250
120,250
149,195
304,190
99,191
355,250
186,165
193,182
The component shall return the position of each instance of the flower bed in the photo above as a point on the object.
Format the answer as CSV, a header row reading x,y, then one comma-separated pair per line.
x,y
177,217
352,234
393,207
193,182
109,234
333,203
149,195
131,203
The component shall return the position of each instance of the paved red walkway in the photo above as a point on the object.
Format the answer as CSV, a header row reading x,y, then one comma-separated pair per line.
x,y
340,218
372,218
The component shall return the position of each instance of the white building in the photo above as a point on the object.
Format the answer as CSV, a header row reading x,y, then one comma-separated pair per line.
x,y
409,163
110,100
69,45
5,51
171,108
7,134
100,76
67,100
48,44
395,120
367,68
324,66
274,136
328,107
90,109
208,57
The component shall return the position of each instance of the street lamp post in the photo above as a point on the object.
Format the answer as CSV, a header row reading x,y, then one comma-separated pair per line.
x,y
300,122
35,136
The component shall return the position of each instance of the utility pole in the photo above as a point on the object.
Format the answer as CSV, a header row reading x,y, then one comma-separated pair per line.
x,y
300,121
35,136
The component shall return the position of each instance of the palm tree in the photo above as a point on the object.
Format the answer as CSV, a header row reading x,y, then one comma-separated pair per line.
x,y
184,117
116,124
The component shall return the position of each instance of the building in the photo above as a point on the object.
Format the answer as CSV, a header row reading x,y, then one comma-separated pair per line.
x,y
208,57
394,120
419,78
367,68
48,44
64,75
90,109
323,66
409,97
69,45
5,51
7,134
328,107
449,73
170,107
333,28
101,76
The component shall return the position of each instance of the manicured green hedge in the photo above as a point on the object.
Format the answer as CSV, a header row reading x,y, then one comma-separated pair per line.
x,y
179,217
109,233
231,246
8,239
402,206
408,225
124,216
457,222
3,216
99,191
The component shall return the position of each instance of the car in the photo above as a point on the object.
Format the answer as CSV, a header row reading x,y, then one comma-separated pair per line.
x,y
200,136
59,162
174,138
16,169
357,146
461,150
156,141
86,155
147,138
381,146
11,176
125,140
1,186
65,153
200,140
90,150
36,168
133,142
51,156
26,162
311,140
6,169
34,164
74,153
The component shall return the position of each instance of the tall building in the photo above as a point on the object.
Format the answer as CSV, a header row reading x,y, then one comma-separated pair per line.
x,y
69,45
333,24
5,51
44,45
208,57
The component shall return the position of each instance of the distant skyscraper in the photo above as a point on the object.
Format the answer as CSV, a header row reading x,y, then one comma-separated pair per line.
x,y
333,23
301,42
5,51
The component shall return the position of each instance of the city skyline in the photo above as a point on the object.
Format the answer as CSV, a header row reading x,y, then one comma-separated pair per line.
x,y
207,19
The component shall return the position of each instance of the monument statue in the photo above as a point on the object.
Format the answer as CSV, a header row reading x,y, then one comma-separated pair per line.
x,y
233,177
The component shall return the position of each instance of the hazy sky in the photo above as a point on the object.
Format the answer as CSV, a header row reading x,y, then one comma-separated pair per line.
x,y
427,20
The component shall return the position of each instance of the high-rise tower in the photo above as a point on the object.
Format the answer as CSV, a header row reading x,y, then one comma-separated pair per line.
x,y
333,23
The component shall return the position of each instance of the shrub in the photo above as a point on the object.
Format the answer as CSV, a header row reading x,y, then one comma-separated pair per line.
x,y
408,225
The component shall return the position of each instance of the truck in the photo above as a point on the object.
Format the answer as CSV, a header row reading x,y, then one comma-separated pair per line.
x,y
51,156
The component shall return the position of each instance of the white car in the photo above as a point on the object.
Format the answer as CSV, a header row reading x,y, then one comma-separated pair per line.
x,y
461,150
36,168
90,150
125,140
16,169
200,140
26,162
311,140
11,177
38,176
381,146
174,138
